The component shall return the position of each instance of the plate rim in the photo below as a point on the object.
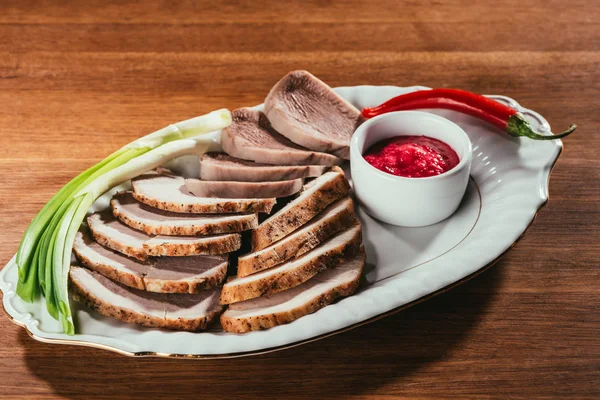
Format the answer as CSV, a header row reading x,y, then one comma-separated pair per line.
x,y
151,354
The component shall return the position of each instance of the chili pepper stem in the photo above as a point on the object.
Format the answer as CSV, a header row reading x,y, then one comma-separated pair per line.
x,y
517,127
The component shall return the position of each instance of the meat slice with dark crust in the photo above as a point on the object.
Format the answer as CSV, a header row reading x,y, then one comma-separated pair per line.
x,y
166,191
314,198
190,312
183,246
153,221
111,233
251,137
190,275
284,307
162,274
251,190
307,111
114,265
223,167
294,272
336,217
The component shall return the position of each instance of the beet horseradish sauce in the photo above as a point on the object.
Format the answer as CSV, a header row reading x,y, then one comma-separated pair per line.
x,y
407,145
412,156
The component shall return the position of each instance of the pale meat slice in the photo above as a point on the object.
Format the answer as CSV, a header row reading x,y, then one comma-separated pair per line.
x,y
128,271
162,274
284,307
166,191
181,246
223,167
251,190
251,137
186,274
308,112
189,312
111,233
294,272
314,198
153,221
336,217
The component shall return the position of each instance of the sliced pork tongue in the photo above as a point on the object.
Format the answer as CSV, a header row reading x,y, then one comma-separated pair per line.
x,y
153,221
189,312
223,167
308,112
335,218
165,191
314,198
161,275
251,137
111,233
284,307
252,190
295,272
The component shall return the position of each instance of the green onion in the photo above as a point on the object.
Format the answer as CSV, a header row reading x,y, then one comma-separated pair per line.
x,y
41,220
41,264
44,255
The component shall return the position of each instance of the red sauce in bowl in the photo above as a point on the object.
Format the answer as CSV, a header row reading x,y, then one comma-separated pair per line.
x,y
412,156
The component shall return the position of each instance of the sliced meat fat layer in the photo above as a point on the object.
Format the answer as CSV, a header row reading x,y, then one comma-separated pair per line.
x,y
223,167
252,190
162,274
284,307
336,217
153,221
189,312
166,191
111,233
251,137
314,198
308,112
294,272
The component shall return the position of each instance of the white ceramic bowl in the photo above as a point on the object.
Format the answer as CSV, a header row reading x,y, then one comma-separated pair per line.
x,y
405,201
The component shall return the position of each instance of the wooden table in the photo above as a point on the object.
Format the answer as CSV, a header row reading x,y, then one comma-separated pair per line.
x,y
78,81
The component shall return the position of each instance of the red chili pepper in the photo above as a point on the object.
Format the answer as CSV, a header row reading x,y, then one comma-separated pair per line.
x,y
504,117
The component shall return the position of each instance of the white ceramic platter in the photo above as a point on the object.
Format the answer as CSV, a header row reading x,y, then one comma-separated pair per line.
x,y
508,187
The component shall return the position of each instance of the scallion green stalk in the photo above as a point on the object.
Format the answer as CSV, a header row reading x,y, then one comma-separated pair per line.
x,y
41,220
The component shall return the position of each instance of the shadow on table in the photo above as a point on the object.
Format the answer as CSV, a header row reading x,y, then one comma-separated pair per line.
x,y
355,362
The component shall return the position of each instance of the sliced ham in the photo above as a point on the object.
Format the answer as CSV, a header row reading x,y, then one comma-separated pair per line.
x,y
335,218
252,190
314,198
162,274
111,233
153,221
223,167
189,312
294,272
166,191
308,112
284,307
251,137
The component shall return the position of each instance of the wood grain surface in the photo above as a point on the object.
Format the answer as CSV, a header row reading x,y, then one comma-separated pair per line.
x,y
80,79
